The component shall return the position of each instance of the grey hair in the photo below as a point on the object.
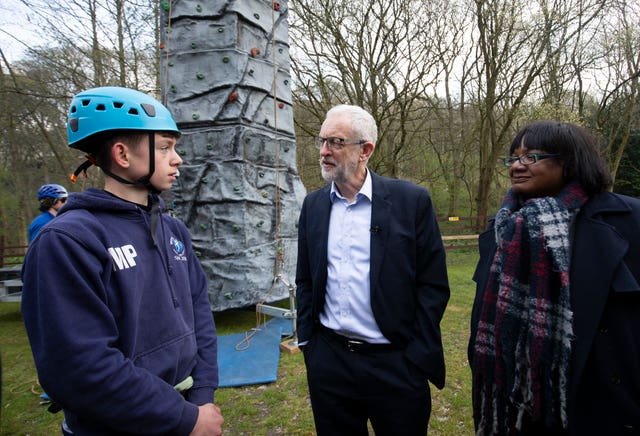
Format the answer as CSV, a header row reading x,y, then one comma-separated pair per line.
x,y
363,126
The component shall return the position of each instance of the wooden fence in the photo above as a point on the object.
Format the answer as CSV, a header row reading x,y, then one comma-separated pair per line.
x,y
11,254
459,232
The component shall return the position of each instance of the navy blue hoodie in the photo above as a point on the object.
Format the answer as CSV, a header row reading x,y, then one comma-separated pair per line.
x,y
116,319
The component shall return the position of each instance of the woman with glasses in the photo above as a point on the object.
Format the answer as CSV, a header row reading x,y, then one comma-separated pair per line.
x,y
555,327
51,197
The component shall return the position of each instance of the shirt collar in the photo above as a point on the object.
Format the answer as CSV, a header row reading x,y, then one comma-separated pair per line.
x,y
365,191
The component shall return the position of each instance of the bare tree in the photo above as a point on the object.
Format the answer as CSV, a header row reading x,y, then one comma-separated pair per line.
x,y
117,37
452,136
375,54
517,40
618,112
89,43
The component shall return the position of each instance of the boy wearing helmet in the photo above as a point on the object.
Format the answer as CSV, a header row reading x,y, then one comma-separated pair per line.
x,y
51,197
119,320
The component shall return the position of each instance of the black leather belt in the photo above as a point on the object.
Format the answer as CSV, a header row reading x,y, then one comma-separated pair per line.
x,y
356,345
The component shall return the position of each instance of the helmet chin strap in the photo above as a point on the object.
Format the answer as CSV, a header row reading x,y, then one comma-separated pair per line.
x,y
144,181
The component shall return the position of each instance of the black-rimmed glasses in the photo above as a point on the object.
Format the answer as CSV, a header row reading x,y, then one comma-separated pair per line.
x,y
334,143
527,159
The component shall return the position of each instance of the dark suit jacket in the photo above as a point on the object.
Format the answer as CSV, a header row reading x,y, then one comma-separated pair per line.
x,y
408,275
604,395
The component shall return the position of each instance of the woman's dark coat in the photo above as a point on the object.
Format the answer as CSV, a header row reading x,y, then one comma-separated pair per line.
x,y
604,396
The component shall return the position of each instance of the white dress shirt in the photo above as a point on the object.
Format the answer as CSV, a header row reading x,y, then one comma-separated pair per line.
x,y
348,298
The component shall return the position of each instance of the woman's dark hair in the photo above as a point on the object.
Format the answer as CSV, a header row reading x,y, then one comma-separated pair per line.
x,y
578,149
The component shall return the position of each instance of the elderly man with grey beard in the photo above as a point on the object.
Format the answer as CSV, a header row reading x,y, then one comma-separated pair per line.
x,y
371,289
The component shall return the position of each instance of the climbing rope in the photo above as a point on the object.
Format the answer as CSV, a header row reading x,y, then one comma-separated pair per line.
x,y
166,5
261,319
279,255
278,230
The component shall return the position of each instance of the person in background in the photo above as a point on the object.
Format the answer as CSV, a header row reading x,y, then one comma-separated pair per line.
x,y
114,299
372,287
52,197
555,328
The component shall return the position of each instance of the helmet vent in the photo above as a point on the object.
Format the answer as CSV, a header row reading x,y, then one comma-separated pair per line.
x,y
149,109
73,124
118,104
101,107
86,102
133,111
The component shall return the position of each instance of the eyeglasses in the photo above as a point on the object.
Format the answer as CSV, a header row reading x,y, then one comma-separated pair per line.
x,y
62,200
527,159
334,143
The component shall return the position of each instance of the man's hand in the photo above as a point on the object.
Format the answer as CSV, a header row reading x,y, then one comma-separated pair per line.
x,y
209,421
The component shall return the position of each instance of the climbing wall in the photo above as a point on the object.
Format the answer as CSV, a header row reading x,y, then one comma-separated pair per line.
x,y
225,77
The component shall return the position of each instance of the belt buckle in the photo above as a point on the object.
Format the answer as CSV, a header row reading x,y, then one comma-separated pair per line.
x,y
354,344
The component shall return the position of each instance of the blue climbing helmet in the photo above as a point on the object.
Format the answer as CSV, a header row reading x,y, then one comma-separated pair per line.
x,y
113,108
51,190
107,108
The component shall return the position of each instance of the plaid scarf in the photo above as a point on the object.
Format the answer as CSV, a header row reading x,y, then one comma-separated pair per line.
x,y
523,342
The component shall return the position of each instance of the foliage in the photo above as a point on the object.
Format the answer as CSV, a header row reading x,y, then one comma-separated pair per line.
x,y
31,152
279,408
628,182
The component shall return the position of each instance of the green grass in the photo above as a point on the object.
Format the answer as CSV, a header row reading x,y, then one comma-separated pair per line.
x,y
279,408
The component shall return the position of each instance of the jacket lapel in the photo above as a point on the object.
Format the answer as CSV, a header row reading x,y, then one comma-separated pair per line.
x,y
380,222
317,239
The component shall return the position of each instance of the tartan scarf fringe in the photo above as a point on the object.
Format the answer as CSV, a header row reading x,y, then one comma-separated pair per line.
x,y
523,341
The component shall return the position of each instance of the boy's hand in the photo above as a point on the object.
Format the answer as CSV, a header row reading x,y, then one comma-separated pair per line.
x,y
209,421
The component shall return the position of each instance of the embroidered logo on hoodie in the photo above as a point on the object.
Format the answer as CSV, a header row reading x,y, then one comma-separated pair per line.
x,y
178,249
123,257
